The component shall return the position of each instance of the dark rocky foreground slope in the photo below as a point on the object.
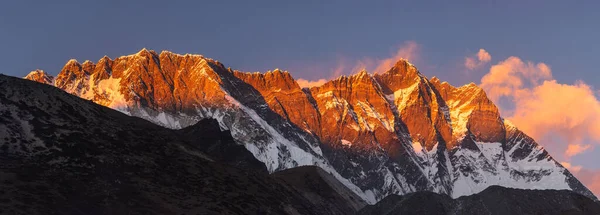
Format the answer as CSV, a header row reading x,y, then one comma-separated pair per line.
x,y
321,189
493,200
60,154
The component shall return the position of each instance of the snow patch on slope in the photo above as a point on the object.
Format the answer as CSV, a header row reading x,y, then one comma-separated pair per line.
x,y
402,96
346,143
372,113
459,117
491,166
280,147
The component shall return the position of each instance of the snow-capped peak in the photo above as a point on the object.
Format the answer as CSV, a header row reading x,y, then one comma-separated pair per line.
x,y
390,133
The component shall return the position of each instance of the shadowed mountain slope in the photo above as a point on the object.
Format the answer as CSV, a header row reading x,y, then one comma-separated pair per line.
x,y
494,200
60,154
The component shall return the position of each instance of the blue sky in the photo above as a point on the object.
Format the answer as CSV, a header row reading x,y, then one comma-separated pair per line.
x,y
311,38
303,36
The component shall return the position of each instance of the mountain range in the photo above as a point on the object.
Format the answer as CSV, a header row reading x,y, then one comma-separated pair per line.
x,y
61,154
64,155
392,133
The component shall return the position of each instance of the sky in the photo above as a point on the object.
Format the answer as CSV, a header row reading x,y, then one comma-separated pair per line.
x,y
535,59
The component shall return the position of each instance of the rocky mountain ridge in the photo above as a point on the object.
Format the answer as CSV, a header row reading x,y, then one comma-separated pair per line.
x,y
60,154
391,133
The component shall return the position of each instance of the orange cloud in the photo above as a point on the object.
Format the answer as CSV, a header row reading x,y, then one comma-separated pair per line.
x,y
308,84
484,56
590,178
574,149
564,118
573,169
409,51
478,60
545,109
571,112
508,77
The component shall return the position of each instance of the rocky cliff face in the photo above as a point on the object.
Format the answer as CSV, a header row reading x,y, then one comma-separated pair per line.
x,y
390,133
283,95
40,76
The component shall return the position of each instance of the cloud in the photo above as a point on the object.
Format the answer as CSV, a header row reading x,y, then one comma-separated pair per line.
x,y
409,51
574,149
564,118
570,112
478,60
590,178
308,84
511,75
570,167
484,56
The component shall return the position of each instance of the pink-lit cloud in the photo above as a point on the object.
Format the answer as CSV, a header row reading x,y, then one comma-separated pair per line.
x,y
308,84
478,60
544,108
409,51
572,168
590,178
574,149
510,76
564,118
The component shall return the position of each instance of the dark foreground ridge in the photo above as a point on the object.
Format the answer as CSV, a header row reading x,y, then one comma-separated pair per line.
x,y
493,200
60,154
